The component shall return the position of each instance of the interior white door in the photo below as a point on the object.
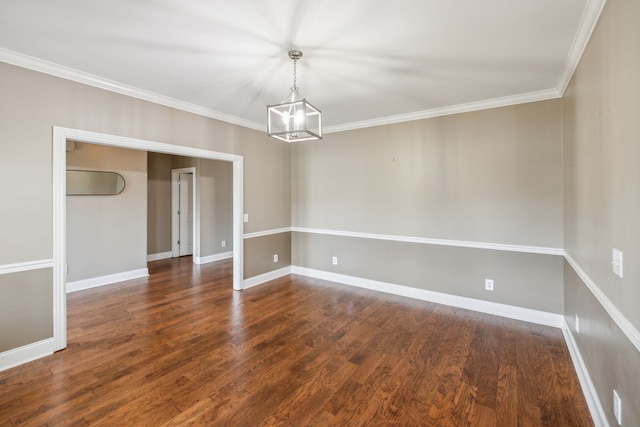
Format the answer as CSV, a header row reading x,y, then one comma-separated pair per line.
x,y
185,214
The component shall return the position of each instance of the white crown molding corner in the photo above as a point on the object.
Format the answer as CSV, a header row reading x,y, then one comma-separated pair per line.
x,y
94,282
488,307
53,69
506,101
212,258
266,277
159,256
267,233
588,389
439,242
25,266
590,17
26,353
631,332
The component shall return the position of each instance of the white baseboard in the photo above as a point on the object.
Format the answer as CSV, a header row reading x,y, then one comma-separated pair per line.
x,y
158,256
212,258
588,389
26,353
262,278
94,282
488,307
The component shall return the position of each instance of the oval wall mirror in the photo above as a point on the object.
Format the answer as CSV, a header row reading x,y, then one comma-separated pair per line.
x,y
94,183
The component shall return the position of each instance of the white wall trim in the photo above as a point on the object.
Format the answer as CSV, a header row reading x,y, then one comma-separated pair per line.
x,y
440,242
25,266
238,224
588,389
590,17
57,70
266,277
195,213
587,24
506,101
267,232
158,256
46,67
488,307
60,135
632,333
108,279
212,258
26,353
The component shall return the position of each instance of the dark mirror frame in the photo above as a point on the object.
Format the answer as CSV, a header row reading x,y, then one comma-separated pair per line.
x,y
94,183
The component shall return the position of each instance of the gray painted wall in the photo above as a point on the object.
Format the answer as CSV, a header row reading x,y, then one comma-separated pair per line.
x,y
612,360
27,316
602,202
107,234
262,250
490,176
214,202
526,280
215,191
158,203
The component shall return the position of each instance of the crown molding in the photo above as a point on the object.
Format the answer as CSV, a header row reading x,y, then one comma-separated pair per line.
x,y
588,22
506,101
586,27
46,67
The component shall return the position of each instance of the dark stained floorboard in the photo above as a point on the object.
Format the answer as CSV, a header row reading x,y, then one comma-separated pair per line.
x,y
183,348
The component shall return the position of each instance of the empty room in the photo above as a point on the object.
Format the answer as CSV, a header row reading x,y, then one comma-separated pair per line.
x,y
317,213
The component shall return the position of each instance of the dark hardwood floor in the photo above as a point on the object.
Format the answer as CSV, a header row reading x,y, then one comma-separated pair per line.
x,y
182,348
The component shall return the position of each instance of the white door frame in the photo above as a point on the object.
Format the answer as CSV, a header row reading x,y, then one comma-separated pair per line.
x,y
175,219
59,195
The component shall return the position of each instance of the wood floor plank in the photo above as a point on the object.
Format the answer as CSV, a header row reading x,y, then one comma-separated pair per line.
x,y
182,348
507,396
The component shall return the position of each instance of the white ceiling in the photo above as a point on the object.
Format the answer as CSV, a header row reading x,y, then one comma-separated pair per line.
x,y
365,62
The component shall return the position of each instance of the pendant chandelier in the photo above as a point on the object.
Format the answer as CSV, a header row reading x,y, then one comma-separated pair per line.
x,y
294,119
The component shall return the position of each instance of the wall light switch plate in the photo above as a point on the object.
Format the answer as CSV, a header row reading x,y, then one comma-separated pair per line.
x,y
488,284
617,407
616,261
246,217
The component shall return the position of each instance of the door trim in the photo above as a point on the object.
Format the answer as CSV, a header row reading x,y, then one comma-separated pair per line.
x,y
175,206
59,159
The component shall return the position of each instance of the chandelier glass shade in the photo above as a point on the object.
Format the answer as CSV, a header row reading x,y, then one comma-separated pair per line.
x,y
294,119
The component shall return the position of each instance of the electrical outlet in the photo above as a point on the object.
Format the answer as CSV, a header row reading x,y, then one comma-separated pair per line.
x,y
275,258
617,407
488,284
223,243
334,260
577,324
